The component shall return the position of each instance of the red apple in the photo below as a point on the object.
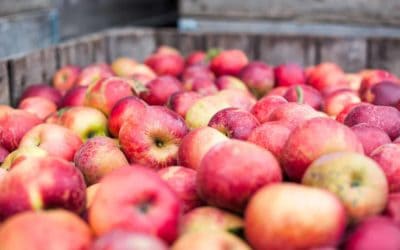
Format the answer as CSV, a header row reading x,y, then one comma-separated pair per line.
x,y
229,62
230,82
237,98
202,85
166,63
279,91
160,89
346,110
387,156
336,101
196,58
21,154
42,90
393,208
265,106
3,154
123,66
304,94
142,71
372,77
371,137
197,71
259,78
39,106
289,74
386,93
181,101
66,77
326,75
74,97
93,73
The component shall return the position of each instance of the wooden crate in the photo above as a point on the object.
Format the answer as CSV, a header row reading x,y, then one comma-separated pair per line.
x,y
352,53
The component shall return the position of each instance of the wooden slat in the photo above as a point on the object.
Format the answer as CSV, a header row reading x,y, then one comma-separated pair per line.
x,y
231,41
4,83
8,7
189,42
287,49
167,37
384,54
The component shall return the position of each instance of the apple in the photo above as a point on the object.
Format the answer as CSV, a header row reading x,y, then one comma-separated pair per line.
x,y
123,66
304,94
21,154
387,156
196,144
372,77
237,98
326,75
170,63
393,207
386,93
346,110
287,216
149,207
97,157
371,137
289,74
183,181
196,58
181,101
3,154
42,90
93,73
336,101
66,78
74,97
142,71
160,89
39,106
312,139
45,230
202,85
279,91
154,140
197,71
37,183
258,77
91,192
357,180
130,107
265,106
232,171
229,62
234,123
230,82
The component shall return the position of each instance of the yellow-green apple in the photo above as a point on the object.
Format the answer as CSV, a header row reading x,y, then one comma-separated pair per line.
x,y
234,123
371,137
387,156
357,180
13,126
21,154
372,77
258,77
265,106
74,97
377,232
211,219
384,117
232,171
288,216
279,91
44,91
304,94
181,101
289,74
154,140
166,62
160,89
196,58
65,78
312,139
99,156
183,181
45,230
104,93
230,82
229,62
201,85
325,75
128,108
122,239
37,183
93,73
385,93
336,101
197,71
196,144
150,206
39,106
56,140
123,66
3,154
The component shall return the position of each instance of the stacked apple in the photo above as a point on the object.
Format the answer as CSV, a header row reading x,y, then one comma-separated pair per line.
x,y
209,152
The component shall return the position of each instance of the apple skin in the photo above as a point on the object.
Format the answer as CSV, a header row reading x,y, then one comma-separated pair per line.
x,y
311,96
202,85
232,171
74,97
104,93
313,138
279,91
21,154
230,82
336,101
13,126
357,180
130,107
181,101
160,89
154,140
65,78
149,207
258,77
93,73
393,208
3,154
98,157
229,62
234,123
289,74
325,75
372,77
384,117
39,106
237,98
123,67
387,156
56,140
377,232
42,90
386,93
183,181
196,144
286,216
166,63
196,58
121,239
38,183
371,137
346,110
265,106
63,231
197,71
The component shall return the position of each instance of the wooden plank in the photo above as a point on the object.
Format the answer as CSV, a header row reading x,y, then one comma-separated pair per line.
x,y
350,53
167,37
384,54
8,7
231,41
4,83
132,42
189,42
287,49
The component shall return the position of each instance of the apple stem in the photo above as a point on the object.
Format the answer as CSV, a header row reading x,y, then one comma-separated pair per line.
x,y
300,95
211,53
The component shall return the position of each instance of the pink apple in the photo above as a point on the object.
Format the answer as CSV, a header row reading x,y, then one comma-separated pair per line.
x,y
326,75
21,154
228,62
39,106
42,90
93,73
304,94
279,91
202,85
166,63
289,74
3,154
372,77
259,78
197,71
387,156
181,101
265,106
160,89
66,77
123,66
371,137
196,58
336,101
393,207
230,82
74,97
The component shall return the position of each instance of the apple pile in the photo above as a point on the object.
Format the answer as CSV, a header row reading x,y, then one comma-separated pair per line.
x,y
211,151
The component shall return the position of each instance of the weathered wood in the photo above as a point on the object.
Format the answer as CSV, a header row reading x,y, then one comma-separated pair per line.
x,y
4,83
131,42
8,7
232,41
287,49
384,54
167,37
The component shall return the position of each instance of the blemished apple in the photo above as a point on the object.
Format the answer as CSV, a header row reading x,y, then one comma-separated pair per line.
x,y
357,180
336,101
230,82
387,156
45,230
234,123
121,239
183,181
153,141
196,58
42,90
209,218
149,207
289,74
39,106
160,89
229,62
93,73
288,216
123,66
377,232
21,154
371,137
97,157
371,78
312,139
56,140
170,63
308,95
232,171
74,97
196,144
66,77
128,108
258,77
38,183
265,106
181,101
